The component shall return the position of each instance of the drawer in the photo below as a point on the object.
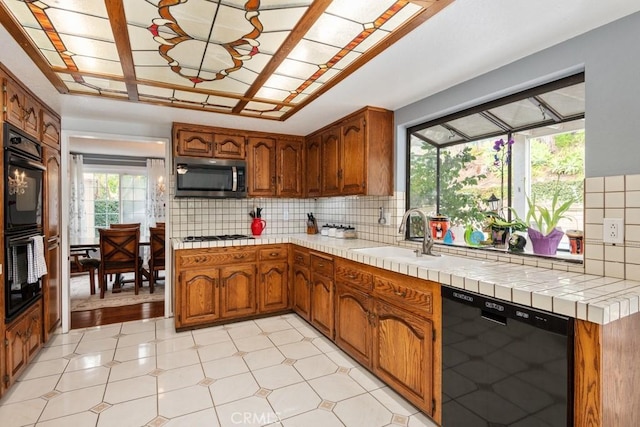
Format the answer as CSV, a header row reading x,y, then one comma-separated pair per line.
x,y
322,265
301,258
353,276
199,258
273,252
414,295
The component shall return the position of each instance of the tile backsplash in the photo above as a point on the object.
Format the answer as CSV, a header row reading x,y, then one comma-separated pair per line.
x,y
612,197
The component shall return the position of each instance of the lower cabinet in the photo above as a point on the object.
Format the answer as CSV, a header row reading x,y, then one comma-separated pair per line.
x,y
403,351
322,290
23,338
216,284
352,323
301,282
51,289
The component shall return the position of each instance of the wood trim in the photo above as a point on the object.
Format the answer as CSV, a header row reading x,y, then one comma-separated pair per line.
x,y
25,43
588,370
118,21
310,17
421,18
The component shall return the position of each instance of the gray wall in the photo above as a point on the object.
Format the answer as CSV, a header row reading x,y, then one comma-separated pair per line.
x,y
610,57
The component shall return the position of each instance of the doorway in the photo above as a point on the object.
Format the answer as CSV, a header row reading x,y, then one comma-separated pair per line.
x,y
116,170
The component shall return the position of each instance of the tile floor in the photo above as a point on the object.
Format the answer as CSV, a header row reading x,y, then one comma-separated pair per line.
x,y
276,371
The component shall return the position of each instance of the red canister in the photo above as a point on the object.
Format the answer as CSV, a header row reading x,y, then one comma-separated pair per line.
x,y
439,225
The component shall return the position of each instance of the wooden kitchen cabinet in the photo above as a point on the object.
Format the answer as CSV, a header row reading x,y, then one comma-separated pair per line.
x,y
22,339
275,166
237,291
403,354
352,323
356,155
50,129
301,282
200,302
51,284
205,141
21,109
313,151
52,289
273,282
322,291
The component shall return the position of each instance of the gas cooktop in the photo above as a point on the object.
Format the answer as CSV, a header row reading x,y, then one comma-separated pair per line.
x,y
215,238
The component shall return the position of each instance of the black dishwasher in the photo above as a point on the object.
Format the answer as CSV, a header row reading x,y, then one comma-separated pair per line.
x,y
504,364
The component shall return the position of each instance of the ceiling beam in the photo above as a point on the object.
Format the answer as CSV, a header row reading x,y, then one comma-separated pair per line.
x,y
24,41
118,21
310,17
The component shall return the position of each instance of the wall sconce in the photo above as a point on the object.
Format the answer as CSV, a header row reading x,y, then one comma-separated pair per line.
x,y
182,169
494,203
18,184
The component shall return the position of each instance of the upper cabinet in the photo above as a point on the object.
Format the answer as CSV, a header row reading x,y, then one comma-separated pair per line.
x,y
50,129
353,156
20,108
204,141
275,165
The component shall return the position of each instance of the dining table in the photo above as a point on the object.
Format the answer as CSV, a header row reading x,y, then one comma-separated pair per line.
x,y
88,245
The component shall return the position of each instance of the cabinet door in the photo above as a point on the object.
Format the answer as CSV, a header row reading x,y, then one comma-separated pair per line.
x,y
261,162
227,146
237,290
15,103
52,193
50,129
331,168
15,336
354,162
322,304
31,118
289,168
194,143
403,354
274,286
51,287
314,167
33,338
302,291
352,323
200,297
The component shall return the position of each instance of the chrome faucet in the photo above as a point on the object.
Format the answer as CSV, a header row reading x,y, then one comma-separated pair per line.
x,y
427,240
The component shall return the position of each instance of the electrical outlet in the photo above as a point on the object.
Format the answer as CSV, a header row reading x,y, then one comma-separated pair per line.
x,y
613,230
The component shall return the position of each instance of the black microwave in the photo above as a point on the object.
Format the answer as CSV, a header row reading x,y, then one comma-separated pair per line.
x,y
210,178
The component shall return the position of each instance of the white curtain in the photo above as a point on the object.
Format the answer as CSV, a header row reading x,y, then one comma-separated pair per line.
x,y
156,191
77,217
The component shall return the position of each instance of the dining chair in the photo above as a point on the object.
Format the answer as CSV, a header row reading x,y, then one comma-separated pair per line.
x,y
156,258
119,248
81,261
130,225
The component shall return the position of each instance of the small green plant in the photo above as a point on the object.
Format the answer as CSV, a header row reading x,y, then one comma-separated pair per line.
x,y
546,219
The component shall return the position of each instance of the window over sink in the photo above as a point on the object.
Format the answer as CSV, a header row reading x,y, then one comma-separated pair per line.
x,y
501,157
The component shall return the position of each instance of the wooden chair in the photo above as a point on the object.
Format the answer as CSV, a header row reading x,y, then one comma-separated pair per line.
x,y
81,261
156,258
119,250
131,225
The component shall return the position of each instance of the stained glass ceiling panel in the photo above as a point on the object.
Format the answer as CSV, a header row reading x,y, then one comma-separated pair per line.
x,y
264,58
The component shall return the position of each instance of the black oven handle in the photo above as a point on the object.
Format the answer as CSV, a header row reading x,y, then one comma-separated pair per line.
x,y
25,163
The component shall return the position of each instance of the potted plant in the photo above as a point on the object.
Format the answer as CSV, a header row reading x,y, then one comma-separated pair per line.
x,y
543,228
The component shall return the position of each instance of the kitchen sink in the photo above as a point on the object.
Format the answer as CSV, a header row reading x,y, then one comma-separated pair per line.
x,y
398,254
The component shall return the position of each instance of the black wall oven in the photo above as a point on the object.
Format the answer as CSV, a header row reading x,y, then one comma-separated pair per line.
x,y
23,215
23,176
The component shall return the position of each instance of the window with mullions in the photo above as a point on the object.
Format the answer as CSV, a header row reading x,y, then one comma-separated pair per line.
x,y
526,147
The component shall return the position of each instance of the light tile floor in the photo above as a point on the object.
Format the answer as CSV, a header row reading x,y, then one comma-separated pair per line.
x,y
276,371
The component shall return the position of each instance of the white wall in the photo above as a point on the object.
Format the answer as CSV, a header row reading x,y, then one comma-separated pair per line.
x,y
610,58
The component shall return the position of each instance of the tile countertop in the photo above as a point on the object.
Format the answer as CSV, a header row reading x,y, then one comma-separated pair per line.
x,y
594,298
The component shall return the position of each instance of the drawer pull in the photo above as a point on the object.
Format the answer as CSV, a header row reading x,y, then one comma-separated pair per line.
x,y
299,258
274,254
320,265
351,276
400,293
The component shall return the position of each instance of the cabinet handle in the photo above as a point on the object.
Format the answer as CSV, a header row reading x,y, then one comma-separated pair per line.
x,y
320,265
216,283
274,254
240,256
400,293
299,258
28,113
351,276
